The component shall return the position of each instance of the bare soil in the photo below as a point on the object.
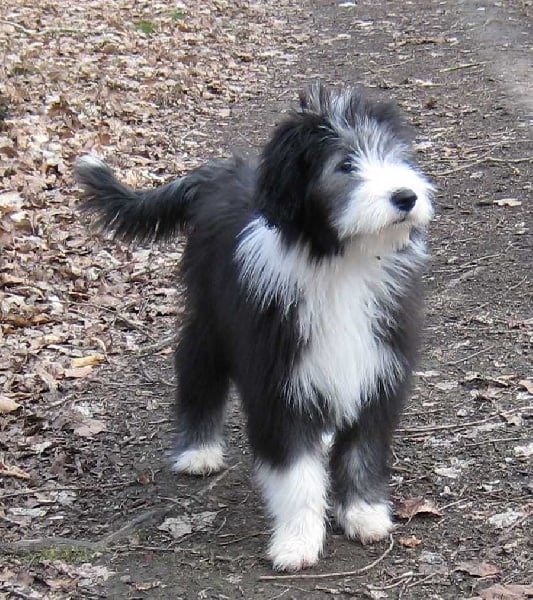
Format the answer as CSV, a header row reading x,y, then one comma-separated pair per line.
x,y
91,434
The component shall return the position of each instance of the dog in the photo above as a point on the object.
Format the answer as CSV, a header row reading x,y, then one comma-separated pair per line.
x,y
302,272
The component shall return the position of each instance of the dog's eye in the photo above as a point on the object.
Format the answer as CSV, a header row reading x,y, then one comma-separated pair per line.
x,y
346,166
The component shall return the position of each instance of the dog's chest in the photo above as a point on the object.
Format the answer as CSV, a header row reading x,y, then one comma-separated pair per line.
x,y
343,357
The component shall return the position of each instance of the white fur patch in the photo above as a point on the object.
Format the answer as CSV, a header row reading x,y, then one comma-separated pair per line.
x,y
90,161
296,498
203,460
369,208
340,300
367,522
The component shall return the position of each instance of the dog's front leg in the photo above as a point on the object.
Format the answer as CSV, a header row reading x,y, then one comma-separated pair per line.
x,y
359,472
295,496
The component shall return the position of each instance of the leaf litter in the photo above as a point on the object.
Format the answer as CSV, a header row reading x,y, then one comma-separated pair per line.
x,y
139,85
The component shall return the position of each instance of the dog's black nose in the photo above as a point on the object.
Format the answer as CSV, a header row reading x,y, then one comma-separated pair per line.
x,y
404,199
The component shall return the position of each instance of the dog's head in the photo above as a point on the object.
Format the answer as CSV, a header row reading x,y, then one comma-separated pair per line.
x,y
339,168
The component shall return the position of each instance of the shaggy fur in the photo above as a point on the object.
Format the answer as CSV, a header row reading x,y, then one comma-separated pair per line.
x,y
302,278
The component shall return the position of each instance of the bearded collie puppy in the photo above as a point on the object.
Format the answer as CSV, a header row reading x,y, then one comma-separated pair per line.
x,y
302,274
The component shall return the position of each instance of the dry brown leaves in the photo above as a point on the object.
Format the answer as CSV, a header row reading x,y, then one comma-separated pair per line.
x,y
137,83
150,87
410,507
506,592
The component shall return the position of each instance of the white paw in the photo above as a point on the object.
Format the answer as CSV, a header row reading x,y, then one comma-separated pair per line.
x,y
202,460
297,546
368,522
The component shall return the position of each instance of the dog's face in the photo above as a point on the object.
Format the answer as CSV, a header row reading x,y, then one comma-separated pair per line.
x,y
341,168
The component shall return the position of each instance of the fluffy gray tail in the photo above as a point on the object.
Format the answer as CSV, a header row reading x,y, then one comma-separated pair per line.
x,y
132,215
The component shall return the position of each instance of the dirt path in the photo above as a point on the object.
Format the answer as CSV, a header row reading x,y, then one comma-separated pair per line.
x,y
461,72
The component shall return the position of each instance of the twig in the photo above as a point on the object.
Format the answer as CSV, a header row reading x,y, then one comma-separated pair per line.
x,y
335,574
153,348
430,428
18,26
443,508
240,539
516,285
147,516
73,488
101,544
492,441
509,160
400,580
48,542
481,161
98,545
461,66
120,317
461,360
420,581
215,481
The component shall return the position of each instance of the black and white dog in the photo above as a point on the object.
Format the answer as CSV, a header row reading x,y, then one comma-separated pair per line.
x,y
302,274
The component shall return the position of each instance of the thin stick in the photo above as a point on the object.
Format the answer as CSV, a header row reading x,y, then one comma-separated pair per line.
x,y
430,428
144,518
461,360
153,348
240,539
18,26
420,581
475,163
215,480
336,574
461,66
72,488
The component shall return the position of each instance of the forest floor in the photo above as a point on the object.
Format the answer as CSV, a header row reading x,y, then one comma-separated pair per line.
x,y
88,505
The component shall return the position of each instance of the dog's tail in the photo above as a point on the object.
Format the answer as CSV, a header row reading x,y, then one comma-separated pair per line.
x,y
133,215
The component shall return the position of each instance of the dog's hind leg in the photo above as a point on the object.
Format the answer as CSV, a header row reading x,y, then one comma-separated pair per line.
x,y
359,473
202,388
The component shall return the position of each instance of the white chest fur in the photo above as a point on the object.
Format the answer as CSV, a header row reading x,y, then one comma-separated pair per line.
x,y
338,314
340,302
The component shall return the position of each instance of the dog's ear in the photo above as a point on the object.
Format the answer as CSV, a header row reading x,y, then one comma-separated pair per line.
x,y
284,170
315,99
290,165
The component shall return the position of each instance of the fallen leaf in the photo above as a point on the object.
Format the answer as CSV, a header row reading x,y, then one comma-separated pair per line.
x,y
10,201
176,526
524,451
409,541
86,361
145,586
185,524
427,374
376,594
505,519
508,202
13,471
411,507
449,472
505,592
478,569
28,512
527,384
512,418
204,520
432,562
7,405
78,372
89,427
446,386
59,583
